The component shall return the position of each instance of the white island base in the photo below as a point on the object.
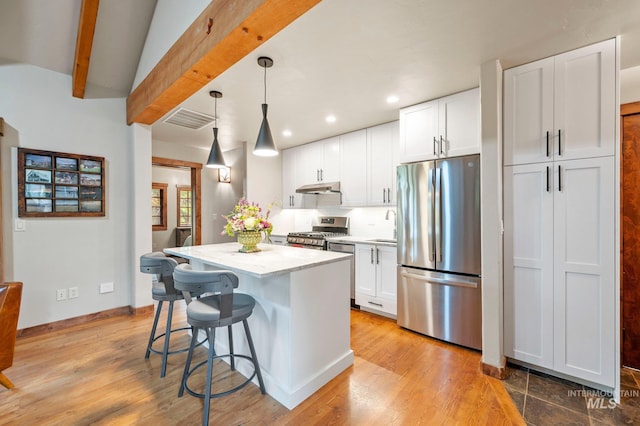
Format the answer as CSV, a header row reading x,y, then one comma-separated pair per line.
x,y
301,323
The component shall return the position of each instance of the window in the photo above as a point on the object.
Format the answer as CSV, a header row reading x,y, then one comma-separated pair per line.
x,y
159,206
184,206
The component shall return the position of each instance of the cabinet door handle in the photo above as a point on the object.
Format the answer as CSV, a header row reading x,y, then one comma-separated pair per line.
x,y
547,143
548,188
384,196
377,256
375,304
442,142
559,143
321,174
559,179
388,195
372,255
434,146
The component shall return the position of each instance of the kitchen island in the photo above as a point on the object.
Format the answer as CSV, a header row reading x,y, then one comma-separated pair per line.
x,y
301,323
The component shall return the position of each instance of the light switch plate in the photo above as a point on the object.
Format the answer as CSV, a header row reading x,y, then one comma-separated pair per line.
x,y
20,225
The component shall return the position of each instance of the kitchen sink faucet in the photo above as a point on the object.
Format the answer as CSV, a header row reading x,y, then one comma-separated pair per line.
x,y
395,222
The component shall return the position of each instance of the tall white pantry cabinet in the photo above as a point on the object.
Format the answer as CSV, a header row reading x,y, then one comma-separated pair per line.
x,y
559,213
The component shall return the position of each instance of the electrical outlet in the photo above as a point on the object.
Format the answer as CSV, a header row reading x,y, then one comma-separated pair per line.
x,y
73,292
106,287
61,294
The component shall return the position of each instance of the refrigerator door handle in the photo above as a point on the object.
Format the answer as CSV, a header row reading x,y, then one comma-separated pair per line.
x,y
431,210
438,215
457,283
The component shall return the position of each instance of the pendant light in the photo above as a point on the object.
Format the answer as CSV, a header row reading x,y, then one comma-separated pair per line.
x,y
216,160
265,146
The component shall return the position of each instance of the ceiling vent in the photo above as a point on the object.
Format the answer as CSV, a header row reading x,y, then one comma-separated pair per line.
x,y
190,119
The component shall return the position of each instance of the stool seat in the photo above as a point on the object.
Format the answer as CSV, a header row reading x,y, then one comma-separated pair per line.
x,y
218,306
206,310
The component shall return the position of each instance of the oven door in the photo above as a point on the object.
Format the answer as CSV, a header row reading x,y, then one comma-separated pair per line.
x,y
307,246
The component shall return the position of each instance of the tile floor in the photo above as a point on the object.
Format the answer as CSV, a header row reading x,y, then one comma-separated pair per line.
x,y
546,400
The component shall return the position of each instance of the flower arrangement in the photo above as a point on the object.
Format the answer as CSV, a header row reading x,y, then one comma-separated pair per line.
x,y
247,216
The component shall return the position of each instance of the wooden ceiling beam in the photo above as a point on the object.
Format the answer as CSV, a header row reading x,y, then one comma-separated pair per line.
x,y
225,32
84,44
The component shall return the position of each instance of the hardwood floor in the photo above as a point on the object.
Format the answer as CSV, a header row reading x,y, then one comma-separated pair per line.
x,y
96,374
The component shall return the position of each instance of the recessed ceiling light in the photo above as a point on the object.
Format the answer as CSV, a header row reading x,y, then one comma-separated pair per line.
x,y
331,118
392,99
286,133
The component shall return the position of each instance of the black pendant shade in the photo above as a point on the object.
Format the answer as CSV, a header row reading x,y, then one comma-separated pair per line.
x,y
216,160
265,146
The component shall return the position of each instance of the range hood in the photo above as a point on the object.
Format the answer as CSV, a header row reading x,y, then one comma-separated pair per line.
x,y
319,188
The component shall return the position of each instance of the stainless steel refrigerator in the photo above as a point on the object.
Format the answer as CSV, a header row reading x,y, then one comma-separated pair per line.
x,y
439,264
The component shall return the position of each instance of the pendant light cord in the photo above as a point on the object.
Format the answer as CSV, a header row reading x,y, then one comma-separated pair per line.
x,y
265,84
215,110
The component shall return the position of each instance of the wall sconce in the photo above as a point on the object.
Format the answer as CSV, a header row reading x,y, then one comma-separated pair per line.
x,y
224,174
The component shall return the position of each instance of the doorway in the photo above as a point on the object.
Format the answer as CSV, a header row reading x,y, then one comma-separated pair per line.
x,y
630,220
195,170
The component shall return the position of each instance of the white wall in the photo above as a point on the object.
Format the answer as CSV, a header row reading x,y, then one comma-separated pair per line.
x,y
491,181
630,85
173,177
170,20
56,253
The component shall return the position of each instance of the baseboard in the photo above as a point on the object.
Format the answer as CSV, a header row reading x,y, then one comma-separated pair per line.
x,y
494,371
84,319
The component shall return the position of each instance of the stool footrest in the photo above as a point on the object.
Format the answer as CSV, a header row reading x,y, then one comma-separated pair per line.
x,y
227,392
175,351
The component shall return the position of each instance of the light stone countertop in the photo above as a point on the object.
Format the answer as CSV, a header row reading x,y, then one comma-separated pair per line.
x,y
273,259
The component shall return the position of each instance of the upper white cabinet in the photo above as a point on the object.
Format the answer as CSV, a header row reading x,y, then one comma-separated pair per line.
x,y
353,168
319,161
307,164
561,107
368,161
289,183
445,127
382,161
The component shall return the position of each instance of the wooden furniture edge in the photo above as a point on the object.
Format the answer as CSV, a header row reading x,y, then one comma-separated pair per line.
x,y
83,319
495,372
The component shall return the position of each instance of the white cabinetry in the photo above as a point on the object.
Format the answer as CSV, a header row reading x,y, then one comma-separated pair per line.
x,y
319,161
289,181
561,107
368,160
307,164
445,127
382,161
560,223
376,277
353,168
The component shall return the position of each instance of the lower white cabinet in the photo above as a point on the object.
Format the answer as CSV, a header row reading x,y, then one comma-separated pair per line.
x,y
376,277
559,266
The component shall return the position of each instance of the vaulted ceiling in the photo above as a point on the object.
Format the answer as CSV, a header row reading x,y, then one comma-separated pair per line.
x,y
342,57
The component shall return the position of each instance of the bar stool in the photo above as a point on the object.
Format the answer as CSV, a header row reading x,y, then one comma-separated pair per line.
x,y
162,291
209,312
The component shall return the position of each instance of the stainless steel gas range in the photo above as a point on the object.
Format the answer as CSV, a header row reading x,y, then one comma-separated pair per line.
x,y
325,227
